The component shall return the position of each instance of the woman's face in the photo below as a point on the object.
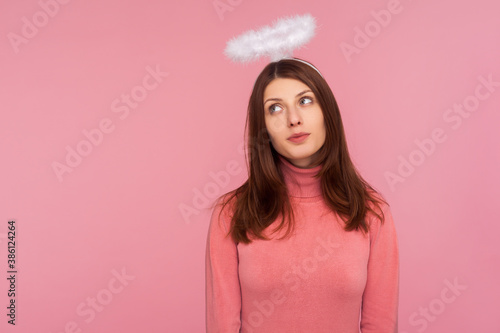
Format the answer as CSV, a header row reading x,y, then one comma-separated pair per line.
x,y
291,107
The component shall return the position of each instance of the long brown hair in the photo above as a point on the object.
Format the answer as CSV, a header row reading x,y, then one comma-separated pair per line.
x,y
263,197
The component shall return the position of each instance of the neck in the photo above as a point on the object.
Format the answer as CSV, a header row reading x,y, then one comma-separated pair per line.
x,y
300,181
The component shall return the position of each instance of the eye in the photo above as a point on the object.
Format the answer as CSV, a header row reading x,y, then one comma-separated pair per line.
x,y
275,107
306,100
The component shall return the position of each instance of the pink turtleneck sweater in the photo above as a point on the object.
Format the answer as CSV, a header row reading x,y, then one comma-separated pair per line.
x,y
321,279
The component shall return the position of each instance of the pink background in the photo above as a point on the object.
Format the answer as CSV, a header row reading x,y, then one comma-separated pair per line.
x,y
120,208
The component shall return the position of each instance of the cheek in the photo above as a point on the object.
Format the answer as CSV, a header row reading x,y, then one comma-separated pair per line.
x,y
272,136
322,126
267,132
317,116
275,125
323,132
319,122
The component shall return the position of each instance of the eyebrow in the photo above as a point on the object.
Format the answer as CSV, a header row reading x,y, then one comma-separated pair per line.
x,y
279,99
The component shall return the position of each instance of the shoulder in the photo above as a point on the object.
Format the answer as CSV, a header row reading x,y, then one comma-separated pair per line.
x,y
223,211
380,213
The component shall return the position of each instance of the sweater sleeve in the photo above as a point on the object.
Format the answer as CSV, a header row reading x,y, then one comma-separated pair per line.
x,y
379,312
222,286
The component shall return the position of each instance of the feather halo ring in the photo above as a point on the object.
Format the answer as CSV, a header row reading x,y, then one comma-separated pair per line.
x,y
277,41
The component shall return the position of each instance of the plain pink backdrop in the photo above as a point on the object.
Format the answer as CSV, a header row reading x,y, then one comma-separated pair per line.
x,y
138,201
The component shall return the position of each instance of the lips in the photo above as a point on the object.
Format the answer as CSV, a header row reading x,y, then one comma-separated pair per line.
x,y
299,137
296,135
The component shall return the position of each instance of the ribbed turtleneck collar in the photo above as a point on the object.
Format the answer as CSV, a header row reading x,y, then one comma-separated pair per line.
x,y
301,182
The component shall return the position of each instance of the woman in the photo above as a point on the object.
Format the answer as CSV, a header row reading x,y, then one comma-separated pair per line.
x,y
336,267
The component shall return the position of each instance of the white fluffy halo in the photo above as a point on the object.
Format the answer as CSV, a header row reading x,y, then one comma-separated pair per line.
x,y
276,42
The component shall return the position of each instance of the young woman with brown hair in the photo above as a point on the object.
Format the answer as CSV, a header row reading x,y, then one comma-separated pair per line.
x,y
336,267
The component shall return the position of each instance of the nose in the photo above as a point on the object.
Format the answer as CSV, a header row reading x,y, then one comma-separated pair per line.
x,y
293,117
